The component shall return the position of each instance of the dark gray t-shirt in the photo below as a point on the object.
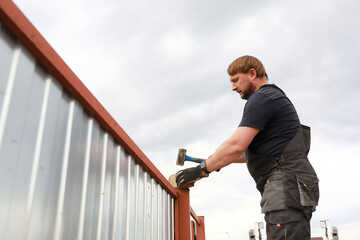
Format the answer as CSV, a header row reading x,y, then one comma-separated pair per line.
x,y
269,110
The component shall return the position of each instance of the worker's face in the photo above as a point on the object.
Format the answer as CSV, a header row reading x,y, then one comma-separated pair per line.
x,y
242,84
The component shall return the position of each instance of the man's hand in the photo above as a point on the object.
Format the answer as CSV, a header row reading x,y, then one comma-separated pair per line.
x,y
189,175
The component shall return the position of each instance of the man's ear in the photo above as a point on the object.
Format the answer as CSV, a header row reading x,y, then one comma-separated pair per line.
x,y
252,73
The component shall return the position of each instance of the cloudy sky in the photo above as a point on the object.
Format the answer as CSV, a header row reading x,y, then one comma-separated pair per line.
x,y
159,68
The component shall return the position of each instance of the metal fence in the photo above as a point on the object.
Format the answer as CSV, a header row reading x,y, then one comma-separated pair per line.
x,y
67,169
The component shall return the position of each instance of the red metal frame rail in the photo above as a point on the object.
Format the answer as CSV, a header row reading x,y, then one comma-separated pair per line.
x,y
17,23
199,227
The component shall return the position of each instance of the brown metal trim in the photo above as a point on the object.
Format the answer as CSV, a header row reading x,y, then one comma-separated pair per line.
x,y
201,229
193,230
194,216
200,225
22,28
182,216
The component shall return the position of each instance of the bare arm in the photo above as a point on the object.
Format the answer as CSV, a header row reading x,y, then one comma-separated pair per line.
x,y
232,149
240,160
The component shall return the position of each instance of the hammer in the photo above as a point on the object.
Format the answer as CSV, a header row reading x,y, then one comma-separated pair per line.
x,y
182,157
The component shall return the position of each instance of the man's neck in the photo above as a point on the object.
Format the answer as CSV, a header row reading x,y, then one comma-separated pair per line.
x,y
260,82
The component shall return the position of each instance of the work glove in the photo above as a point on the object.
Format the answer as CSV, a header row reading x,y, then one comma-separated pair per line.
x,y
186,177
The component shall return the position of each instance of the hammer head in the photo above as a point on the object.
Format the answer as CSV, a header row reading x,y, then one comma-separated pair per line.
x,y
181,157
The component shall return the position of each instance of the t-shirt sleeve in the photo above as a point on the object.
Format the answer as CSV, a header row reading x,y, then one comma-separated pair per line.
x,y
258,111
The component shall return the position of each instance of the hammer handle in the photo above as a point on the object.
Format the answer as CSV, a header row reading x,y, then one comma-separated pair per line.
x,y
192,159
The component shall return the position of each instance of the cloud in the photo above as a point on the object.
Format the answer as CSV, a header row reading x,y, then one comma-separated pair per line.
x,y
159,68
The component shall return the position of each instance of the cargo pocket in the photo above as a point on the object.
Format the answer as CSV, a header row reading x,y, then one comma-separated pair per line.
x,y
309,192
283,217
273,196
285,224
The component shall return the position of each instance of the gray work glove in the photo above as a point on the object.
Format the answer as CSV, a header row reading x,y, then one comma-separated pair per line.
x,y
187,177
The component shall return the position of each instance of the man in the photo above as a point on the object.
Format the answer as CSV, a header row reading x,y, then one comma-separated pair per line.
x,y
274,145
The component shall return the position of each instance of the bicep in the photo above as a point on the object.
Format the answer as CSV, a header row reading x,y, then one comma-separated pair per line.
x,y
231,150
243,136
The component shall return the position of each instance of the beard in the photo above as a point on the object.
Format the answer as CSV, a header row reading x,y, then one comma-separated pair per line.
x,y
248,90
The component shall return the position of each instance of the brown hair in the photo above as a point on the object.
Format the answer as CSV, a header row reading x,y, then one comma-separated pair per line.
x,y
244,64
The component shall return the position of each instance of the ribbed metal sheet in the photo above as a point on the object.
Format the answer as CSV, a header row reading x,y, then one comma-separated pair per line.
x,y
62,176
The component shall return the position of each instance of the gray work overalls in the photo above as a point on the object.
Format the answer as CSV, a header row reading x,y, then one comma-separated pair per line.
x,y
287,181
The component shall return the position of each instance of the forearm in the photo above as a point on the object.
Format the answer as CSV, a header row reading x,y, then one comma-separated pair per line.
x,y
232,149
226,154
229,152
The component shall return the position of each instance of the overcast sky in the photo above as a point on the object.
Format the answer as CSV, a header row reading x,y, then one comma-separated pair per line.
x,y
159,68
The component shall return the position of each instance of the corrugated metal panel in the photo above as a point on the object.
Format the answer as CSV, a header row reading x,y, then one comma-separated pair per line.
x,y
62,176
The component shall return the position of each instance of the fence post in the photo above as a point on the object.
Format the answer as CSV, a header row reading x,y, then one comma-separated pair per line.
x,y
182,215
201,229
193,230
